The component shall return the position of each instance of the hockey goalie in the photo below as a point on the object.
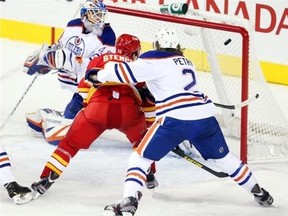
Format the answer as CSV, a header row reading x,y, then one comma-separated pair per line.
x,y
83,39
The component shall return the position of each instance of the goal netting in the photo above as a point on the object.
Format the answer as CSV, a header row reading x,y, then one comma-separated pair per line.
x,y
221,47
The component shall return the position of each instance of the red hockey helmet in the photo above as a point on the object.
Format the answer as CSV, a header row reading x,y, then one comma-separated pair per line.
x,y
128,45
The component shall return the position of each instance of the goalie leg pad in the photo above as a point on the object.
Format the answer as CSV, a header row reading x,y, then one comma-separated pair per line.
x,y
55,126
34,122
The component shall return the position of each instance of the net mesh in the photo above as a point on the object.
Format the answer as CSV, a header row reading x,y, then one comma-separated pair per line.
x,y
217,55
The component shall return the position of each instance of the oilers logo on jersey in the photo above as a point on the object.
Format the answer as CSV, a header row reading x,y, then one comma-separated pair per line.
x,y
76,45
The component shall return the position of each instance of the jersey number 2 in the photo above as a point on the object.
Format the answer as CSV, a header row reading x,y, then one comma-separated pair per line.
x,y
193,82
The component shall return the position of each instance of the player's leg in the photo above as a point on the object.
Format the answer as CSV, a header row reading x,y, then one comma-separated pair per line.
x,y
73,107
18,193
80,135
211,143
244,177
134,126
157,142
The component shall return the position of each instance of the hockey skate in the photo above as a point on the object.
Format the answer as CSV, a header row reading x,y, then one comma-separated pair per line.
x,y
126,207
18,193
262,196
39,188
151,181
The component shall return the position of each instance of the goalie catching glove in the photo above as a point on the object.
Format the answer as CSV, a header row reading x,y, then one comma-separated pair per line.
x,y
188,149
33,63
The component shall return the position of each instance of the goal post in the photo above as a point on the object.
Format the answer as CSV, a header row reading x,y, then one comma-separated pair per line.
x,y
221,47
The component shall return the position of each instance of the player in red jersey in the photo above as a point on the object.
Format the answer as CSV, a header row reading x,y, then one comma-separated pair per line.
x,y
109,105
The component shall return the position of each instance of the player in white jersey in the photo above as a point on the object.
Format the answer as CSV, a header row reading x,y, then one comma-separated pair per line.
x,y
18,193
83,39
182,113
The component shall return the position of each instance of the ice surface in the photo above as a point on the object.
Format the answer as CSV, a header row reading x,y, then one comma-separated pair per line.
x,y
94,178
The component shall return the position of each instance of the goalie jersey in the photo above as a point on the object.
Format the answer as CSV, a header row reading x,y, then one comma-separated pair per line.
x,y
85,45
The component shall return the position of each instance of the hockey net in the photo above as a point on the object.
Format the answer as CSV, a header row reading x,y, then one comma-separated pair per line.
x,y
221,47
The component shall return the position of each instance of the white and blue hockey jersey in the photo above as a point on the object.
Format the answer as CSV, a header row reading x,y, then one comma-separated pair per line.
x,y
172,81
85,45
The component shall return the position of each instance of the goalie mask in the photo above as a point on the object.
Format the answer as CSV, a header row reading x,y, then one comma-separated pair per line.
x,y
128,45
166,38
93,16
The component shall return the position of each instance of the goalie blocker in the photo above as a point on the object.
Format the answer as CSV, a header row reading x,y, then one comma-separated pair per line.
x,y
48,123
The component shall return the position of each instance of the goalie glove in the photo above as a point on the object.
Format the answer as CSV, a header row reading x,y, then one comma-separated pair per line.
x,y
34,64
188,149
62,59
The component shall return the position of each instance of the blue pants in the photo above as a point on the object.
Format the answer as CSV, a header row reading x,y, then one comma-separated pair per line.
x,y
204,134
74,106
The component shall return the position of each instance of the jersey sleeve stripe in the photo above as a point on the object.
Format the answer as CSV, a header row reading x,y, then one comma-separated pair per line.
x,y
125,76
130,72
124,73
118,73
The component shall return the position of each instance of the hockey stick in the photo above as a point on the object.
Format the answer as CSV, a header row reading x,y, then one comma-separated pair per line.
x,y
200,165
237,106
19,101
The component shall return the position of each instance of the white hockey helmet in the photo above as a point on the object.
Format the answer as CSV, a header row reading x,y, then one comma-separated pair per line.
x,y
93,13
166,38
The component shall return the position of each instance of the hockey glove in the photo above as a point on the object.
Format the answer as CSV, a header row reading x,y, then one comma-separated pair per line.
x,y
91,76
188,149
146,94
34,64
61,59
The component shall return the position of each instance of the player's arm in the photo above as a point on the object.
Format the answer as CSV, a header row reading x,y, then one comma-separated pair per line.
x,y
128,72
93,67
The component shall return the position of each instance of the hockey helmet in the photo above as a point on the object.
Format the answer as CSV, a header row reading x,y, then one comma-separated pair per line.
x,y
166,38
128,45
93,14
